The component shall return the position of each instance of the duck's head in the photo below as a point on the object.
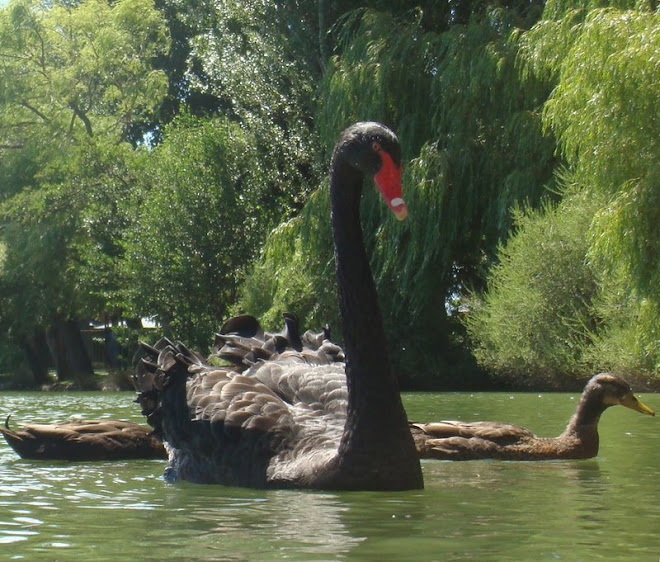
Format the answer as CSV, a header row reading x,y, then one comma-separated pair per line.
x,y
613,390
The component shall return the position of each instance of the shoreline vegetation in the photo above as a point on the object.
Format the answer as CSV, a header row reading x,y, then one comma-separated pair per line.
x,y
120,380
167,161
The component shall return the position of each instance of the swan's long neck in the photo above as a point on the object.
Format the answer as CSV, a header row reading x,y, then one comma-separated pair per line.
x,y
376,431
368,364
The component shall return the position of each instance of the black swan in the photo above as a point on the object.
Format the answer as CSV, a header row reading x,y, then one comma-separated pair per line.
x,y
84,440
455,440
287,422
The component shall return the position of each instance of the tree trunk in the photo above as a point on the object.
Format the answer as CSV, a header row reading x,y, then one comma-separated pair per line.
x,y
112,348
37,355
72,360
323,32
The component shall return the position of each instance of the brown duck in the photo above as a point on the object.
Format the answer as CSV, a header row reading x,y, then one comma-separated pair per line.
x,y
458,441
84,440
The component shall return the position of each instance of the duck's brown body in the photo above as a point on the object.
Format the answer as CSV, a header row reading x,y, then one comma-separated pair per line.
x,y
460,441
455,440
84,441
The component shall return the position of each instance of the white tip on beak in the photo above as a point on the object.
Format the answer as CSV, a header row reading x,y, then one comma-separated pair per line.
x,y
399,208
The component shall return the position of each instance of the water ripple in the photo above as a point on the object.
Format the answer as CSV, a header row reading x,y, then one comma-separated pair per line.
x,y
606,508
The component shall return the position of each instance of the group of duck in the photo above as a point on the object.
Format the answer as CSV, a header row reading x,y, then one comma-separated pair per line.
x,y
292,410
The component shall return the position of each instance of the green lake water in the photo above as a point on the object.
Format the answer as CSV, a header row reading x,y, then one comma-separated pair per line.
x,y
606,508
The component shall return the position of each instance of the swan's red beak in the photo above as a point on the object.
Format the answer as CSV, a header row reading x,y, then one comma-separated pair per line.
x,y
388,182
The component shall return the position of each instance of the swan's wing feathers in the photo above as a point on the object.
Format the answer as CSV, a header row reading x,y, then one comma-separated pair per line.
x,y
333,352
221,426
282,406
238,401
336,399
303,385
245,348
244,352
312,340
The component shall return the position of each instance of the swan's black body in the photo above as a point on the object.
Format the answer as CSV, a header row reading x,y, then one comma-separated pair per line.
x,y
286,421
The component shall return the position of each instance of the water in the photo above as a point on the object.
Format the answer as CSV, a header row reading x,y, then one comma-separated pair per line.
x,y
605,508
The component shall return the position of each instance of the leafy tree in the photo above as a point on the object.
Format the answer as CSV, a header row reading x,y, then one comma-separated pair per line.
x,y
203,211
472,145
74,77
62,241
537,318
81,67
604,113
260,59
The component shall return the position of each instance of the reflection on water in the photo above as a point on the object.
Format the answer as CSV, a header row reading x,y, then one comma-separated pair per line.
x,y
488,510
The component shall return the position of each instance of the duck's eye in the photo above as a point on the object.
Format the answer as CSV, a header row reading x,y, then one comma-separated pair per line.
x,y
376,146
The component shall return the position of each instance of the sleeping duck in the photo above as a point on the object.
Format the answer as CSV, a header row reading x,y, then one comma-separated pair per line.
x,y
84,440
458,441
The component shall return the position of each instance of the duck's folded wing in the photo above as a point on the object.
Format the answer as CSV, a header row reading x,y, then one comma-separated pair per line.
x,y
493,431
456,440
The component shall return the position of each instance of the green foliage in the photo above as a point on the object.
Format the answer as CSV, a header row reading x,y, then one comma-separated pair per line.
x,y
31,291
63,238
81,67
202,211
552,313
604,111
558,9
628,340
259,59
535,320
606,101
472,145
73,77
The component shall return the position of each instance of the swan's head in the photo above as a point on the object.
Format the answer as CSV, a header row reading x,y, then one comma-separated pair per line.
x,y
374,149
612,390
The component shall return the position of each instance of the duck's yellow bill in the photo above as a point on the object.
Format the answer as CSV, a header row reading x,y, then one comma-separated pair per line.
x,y
631,401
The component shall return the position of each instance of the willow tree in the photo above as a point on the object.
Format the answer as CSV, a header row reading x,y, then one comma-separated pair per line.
x,y
472,147
603,111
261,61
